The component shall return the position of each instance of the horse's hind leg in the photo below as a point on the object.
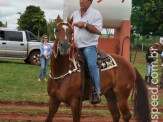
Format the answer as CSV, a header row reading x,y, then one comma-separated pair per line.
x,y
76,109
112,105
53,107
122,98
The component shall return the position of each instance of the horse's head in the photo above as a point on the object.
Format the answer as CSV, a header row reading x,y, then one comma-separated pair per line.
x,y
158,47
63,34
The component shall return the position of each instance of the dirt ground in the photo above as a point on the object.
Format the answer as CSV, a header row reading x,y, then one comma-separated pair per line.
x,y
29,117
19,116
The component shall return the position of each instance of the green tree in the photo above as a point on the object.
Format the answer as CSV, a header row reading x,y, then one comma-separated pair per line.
x,y
33,19
1,24
50,29
147,17
154,14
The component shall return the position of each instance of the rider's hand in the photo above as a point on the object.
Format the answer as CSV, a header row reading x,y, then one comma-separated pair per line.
x,y
79,24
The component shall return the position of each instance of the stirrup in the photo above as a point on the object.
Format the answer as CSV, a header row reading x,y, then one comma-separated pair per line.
x,y
94,96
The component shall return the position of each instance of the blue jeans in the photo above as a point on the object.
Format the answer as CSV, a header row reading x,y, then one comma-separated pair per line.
x,y
149,69
90,55
44,64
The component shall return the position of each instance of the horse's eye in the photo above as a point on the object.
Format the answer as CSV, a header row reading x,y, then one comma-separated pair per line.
x,y
56,30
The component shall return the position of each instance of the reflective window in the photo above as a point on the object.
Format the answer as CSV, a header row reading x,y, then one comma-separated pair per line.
x,y
13,36
2,35
32,37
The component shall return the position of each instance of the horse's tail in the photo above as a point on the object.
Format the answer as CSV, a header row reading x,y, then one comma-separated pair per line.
x,y
141,102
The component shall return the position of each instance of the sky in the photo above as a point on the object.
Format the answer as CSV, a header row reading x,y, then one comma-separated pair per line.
x,y
10,8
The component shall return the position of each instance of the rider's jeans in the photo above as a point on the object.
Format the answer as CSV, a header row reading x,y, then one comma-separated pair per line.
x,y
90,55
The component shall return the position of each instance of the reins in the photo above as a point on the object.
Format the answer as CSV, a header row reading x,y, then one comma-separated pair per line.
x,y
72,44
68,73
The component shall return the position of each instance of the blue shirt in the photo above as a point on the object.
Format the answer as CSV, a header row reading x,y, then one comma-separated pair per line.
x,y
82,37
49,50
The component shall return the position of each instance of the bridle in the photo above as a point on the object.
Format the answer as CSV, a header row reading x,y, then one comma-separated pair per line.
x,y
71,56
58,47
76,69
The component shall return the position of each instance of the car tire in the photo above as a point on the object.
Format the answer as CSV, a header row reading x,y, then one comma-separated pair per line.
x,y
27,61
34,58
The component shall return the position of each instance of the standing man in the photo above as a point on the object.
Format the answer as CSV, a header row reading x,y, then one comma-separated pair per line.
x,y
88,26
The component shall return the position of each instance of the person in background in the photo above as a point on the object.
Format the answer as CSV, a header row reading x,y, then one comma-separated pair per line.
x,y
149,59
45,53
161,41
161,78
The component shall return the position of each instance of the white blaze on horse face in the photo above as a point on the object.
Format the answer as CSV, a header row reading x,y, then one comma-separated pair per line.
x,y
65,27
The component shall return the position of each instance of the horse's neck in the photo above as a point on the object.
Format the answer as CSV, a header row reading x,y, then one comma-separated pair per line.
x,y
59,65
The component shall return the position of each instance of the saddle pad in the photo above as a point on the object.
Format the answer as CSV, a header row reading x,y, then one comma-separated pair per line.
x,y
108,63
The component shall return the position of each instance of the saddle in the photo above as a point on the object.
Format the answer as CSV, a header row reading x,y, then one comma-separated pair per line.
x,y
104,61
102,55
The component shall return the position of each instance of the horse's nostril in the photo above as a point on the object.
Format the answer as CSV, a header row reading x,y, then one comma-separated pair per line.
x,y
65,45
61,51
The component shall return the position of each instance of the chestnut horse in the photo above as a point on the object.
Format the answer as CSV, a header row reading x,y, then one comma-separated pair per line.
x,y
64,83
158,47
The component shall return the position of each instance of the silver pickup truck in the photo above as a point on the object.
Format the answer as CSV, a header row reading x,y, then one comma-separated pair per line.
x,y
20,44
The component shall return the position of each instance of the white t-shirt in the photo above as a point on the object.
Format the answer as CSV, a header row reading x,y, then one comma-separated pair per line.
x,y
45,49
82,37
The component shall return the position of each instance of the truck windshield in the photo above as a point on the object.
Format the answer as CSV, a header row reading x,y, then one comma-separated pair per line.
x,y
32,37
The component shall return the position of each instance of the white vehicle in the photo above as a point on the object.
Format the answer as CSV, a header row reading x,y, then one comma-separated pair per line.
x,y
20,44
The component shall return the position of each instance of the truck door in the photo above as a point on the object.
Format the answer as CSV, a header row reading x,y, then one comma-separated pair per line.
x,y
2,44
16,44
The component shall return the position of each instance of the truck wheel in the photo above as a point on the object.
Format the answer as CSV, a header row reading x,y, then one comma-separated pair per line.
x,y
34,58
27,61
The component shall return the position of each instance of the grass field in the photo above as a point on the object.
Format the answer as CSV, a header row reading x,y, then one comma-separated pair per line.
x,y
18,81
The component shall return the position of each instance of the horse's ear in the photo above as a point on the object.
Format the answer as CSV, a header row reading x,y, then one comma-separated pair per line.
x,y
58,20
70,20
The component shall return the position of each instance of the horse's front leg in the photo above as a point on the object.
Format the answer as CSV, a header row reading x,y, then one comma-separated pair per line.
x,y
76,109
53,107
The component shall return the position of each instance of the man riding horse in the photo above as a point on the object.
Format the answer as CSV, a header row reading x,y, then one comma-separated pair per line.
x,y
88,26
64,82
